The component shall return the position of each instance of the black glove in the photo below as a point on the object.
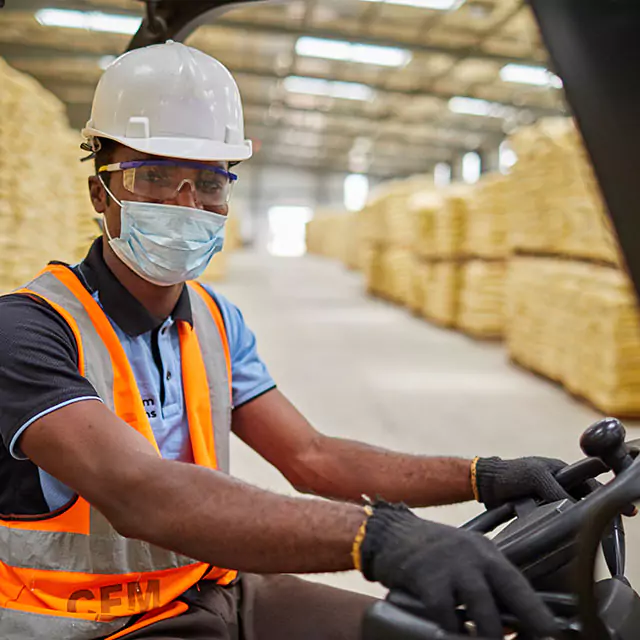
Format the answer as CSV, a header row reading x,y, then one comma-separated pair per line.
x,y
499,481
445,567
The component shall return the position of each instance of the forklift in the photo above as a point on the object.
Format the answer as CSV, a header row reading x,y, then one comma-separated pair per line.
x,y
595,49
594,46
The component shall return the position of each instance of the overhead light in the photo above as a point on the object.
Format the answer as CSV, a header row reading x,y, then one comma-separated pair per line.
x,y
525,74
331,88
442,173
352,52
89,20
471,167
355,191
477,107
506,157
438,5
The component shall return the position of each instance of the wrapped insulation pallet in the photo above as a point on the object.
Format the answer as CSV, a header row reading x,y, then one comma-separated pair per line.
x,y
333,234
217,268
481,298
487,226
388,229
451,222
441,293
45,210
558,208
577,323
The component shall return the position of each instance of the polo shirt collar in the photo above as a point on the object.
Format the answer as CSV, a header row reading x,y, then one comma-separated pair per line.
x,y
118,303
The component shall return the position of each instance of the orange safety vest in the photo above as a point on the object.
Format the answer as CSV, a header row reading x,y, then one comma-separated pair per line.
x,y
69,575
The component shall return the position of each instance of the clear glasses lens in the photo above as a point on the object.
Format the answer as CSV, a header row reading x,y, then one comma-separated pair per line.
x,y
163,183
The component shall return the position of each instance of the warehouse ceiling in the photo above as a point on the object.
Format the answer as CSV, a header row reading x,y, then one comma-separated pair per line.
x,y
430,84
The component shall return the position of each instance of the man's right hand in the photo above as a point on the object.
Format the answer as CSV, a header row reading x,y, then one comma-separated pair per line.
x,y
446,567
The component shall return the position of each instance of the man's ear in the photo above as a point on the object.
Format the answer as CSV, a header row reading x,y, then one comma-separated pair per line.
x,y
98,194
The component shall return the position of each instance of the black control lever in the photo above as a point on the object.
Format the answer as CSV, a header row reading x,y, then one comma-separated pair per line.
x,y
605,440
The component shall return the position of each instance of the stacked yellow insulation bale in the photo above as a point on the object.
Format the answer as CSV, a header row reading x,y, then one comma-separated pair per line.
x,y
354,255
450,224
373,240
481,298
388,230
328,234
460,242
560,210
218,267
488,218
441,292
577,323
435,283
442,246
421,207
482,277
315,232
313,236
572,317
44,204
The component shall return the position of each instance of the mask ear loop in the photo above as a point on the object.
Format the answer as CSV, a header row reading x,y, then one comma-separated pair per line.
x,y
106,226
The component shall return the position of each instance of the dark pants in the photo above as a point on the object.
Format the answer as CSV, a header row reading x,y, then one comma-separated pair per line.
x,y
278,607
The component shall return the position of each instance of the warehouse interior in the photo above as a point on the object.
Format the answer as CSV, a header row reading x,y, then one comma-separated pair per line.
x,y
419,242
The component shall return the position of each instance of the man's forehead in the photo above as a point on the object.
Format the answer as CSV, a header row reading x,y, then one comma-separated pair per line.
x,y
123,154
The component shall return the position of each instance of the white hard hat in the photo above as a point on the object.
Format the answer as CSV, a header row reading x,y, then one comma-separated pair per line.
x,y
170,100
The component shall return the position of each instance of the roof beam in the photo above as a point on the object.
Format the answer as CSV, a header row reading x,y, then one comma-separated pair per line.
x,y
261,160
78,113
294,31
384,167
418,146
412,153
14,53
415,151
78,97
381,87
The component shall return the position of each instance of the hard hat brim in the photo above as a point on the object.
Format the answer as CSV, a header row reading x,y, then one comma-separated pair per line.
x,y
183,148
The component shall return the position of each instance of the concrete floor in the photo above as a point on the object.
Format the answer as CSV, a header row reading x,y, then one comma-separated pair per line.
x,y
364,369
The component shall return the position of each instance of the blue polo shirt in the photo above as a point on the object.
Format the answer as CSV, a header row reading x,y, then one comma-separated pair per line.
x,y
152,348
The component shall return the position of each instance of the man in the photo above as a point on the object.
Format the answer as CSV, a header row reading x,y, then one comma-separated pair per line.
x,y
119,386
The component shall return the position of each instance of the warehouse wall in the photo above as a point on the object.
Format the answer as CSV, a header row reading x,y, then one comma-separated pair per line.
x,y
261,187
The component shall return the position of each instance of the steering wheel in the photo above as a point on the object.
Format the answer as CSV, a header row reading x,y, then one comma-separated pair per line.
x,y
545,542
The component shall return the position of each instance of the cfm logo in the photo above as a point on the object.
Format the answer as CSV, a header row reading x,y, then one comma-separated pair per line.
x,y
116,599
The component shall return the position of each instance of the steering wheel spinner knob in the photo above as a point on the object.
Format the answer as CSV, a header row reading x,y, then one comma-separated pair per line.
x,y
605,440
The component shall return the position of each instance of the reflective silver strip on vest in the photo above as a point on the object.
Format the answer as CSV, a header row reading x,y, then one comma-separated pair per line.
x,y
104,551
98,368
215,364
22,625
78,553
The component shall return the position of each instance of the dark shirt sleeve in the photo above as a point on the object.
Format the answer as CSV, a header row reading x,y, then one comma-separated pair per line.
x,y
38,366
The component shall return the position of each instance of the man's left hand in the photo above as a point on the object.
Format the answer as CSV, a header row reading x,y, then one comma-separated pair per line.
x,y
498,481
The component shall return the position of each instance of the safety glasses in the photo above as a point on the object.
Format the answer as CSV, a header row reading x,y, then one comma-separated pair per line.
x,y
161,180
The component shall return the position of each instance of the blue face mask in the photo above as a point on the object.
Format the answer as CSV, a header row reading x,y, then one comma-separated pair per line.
x,y
166,244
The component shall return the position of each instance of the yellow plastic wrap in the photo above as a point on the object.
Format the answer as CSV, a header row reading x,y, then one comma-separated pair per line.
x,y
45,210
217,268
555,203
487,222
481,299
578,324
441,292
